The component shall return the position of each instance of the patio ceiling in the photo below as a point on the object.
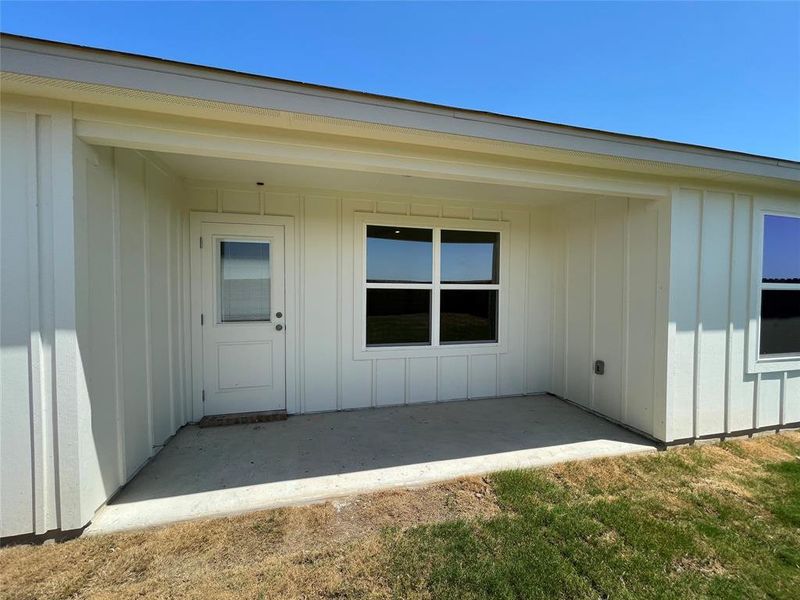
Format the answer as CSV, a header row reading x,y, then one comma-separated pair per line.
x,y
200,168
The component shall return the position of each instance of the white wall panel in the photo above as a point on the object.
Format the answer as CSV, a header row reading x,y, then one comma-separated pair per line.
x,y
240,201
605,272
130,310
609,284
134,300
791,398
43,415
18,268
684,312
390,381
483,376
159,188
422,380
641,316
321,302
768,405
96,287
453,378
715,271
711,391
511,377
580,231
741,385
539,339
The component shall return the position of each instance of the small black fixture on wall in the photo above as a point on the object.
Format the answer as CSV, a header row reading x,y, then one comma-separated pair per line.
x,y
599,367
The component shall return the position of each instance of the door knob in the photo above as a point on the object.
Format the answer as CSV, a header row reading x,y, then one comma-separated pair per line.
x,y
278,327
278,315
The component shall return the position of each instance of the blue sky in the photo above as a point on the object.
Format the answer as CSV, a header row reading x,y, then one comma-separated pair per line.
x,y
718,74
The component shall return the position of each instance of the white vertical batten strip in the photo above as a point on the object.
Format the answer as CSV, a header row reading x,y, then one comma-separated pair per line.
x,y
117,311
625,308
726,424
782,407
170,300
526,310
339,301
300,282
654,355
749,308
593,306
566,307
698,320
147,317
35,358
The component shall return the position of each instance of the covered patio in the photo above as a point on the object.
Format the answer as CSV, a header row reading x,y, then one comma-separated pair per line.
x,y
310,458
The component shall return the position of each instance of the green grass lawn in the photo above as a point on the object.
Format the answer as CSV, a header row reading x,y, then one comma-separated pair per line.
x,y
716,521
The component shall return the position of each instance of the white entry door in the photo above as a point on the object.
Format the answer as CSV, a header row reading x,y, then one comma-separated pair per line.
x,y
244,340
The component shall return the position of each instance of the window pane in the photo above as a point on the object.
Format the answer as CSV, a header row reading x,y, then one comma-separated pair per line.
x,y
397,317
781,263
244,281
780,322
468,316
470,256
399,255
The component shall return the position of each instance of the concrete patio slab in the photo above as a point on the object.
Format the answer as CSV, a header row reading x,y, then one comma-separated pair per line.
x,y
309,458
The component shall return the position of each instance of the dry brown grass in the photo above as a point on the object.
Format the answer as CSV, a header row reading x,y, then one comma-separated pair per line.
x,y
341,549
335,549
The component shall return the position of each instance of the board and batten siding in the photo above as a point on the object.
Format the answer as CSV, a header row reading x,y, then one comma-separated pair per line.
x,y
43,418
129,227
710,389
329,376
609,297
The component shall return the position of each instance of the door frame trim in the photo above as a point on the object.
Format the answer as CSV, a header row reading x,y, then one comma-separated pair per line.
x,y
291,321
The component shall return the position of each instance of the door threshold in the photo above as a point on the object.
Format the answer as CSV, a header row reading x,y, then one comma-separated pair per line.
x,y
243,418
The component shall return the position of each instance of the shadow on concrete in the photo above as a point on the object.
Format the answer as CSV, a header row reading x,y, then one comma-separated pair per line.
x,y
308,446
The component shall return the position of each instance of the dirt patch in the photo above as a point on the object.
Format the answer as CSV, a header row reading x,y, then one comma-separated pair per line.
x,y
707,566
326,550
344,519
770,448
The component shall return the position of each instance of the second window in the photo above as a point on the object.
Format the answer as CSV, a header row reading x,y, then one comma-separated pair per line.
x,y
431,286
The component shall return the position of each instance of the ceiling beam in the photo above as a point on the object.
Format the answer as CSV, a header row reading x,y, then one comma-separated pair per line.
x,y
393,160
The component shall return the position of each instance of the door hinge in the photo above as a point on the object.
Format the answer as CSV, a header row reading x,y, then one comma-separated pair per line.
x,y
201,241
202,319
204,395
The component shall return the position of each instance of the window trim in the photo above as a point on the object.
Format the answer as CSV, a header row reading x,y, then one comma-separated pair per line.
x,y
756,362
363,352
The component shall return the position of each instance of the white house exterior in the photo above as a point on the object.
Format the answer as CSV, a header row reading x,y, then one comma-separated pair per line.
x,y
157,217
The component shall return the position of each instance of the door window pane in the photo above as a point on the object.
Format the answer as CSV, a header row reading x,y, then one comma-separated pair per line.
x,y
780,322
244,281
399,255
396,317
781,262
470,256
468,316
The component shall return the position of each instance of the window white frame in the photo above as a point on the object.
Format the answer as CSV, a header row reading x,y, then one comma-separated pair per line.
x,y
435,348
756,362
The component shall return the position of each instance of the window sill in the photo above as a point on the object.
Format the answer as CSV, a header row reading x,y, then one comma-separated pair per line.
x,y
775,364
428,351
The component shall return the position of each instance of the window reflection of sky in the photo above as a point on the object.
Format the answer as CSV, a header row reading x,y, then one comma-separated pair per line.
x,y
781,247
467,263
399,260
